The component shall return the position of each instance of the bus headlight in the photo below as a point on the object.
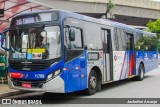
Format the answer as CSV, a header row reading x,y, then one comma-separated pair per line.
x,y
56,73
53,75
49,77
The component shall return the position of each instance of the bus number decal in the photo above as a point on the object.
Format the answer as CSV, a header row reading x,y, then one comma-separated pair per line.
x,y
41,76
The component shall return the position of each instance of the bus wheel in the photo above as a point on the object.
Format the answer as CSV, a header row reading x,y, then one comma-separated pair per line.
x,y
92,83
140,76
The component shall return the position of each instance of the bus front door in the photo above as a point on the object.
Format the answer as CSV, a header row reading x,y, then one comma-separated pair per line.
x,y
106,40
131,54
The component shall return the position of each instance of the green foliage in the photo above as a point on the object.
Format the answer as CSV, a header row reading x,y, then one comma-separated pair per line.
x,y
158,43
110,6
146,43
155,28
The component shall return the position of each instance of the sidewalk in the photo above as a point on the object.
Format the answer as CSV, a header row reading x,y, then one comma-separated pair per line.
x,y
4,88
5,91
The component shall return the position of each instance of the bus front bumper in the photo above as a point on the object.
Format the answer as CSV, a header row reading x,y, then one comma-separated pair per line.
x,y
55,85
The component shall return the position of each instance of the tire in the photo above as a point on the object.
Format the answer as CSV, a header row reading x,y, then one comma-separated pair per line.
x,y
141,72
92,83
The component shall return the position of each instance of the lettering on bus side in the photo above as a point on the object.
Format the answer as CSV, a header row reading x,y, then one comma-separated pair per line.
x,y
93,56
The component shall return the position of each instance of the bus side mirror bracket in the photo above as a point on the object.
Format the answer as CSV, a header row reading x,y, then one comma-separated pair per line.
x,y
85,47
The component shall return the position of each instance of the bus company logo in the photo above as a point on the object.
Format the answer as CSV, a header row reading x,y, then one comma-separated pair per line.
x,y
37,56
6,101
21,102
115,57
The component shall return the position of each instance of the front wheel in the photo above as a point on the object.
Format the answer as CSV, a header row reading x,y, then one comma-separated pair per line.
x,y
92,83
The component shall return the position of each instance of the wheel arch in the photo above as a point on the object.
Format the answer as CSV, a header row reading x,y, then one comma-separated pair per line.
x,y
142,64
98,72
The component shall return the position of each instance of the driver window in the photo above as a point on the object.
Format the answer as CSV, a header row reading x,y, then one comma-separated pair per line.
x,y
77,43
74,46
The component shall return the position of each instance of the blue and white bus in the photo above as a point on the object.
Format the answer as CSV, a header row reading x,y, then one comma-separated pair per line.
x,y
59,51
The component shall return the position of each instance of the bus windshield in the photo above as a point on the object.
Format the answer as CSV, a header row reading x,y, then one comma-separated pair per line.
x,y
35,43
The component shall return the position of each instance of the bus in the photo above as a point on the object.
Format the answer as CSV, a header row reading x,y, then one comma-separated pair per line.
x,y
61,52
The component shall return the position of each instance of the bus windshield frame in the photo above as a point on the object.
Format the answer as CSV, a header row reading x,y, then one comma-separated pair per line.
x,y
23,45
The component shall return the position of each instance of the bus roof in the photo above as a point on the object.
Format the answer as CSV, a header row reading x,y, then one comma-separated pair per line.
x,y
64,13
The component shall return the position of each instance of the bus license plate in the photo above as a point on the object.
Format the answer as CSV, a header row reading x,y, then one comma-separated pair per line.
x,y
26,85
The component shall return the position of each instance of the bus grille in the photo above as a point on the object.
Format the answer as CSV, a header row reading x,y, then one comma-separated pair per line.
x,y
35,66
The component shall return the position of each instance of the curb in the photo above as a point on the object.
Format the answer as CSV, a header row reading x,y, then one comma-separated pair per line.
x,y
12,93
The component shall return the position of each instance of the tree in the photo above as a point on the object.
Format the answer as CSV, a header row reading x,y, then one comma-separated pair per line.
x,y
110,6
109,9
154,27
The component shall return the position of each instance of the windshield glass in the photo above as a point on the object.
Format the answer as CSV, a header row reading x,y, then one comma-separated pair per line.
x,y
35,43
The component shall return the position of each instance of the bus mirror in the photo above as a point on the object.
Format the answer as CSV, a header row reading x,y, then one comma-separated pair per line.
x,y
72,35
3,39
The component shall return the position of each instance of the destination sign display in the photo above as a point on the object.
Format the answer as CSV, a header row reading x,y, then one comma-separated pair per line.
x,y
35,18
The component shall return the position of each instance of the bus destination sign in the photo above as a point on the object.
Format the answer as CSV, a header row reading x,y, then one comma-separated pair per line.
x,y
43,17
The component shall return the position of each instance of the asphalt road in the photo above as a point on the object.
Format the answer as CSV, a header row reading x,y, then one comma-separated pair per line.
x,y
148,88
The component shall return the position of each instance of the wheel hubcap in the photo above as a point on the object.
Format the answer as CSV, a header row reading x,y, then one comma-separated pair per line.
x,y
93,82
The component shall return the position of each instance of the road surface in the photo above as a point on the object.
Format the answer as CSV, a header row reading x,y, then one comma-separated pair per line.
x,y
148,88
